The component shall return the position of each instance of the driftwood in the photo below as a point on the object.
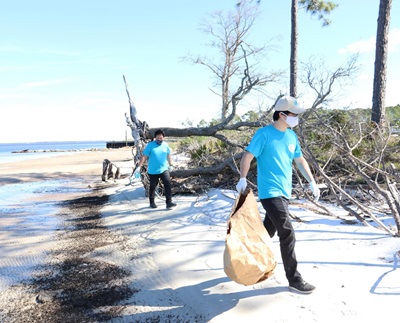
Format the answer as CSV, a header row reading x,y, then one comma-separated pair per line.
x,y
108,170
349,138
238,67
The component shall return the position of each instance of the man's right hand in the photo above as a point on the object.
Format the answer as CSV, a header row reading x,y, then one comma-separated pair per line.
x,y
241,185
137,172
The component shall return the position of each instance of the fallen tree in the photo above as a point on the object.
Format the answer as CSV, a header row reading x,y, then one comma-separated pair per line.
x,y
333,148
351,155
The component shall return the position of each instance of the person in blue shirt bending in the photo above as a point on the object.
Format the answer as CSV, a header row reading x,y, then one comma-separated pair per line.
x,y
157,152
275,147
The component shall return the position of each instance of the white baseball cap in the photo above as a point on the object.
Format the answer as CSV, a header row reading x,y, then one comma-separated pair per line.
x,y
288,103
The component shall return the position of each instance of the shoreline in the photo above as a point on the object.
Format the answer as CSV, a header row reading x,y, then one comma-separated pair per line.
x,y
29,151
15,152
31,195
84,165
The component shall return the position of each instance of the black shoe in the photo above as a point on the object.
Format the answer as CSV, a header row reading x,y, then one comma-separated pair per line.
x,y
153,205
301,287
170,205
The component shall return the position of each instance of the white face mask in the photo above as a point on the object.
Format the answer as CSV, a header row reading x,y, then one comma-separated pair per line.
x,y
291,121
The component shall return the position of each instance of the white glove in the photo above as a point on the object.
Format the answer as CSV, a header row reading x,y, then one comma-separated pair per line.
x,y
135,177
315,190
170,168
241,185
136,174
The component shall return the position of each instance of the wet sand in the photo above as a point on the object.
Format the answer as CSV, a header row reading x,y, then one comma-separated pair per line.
x,y
51,206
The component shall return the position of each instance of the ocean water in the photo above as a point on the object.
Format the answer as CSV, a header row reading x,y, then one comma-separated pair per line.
x,y
9,152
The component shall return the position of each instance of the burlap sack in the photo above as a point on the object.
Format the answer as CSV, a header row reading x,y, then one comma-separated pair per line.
x,y
248,258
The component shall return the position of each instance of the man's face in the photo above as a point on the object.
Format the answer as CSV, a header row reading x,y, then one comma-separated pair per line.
x,y
159,139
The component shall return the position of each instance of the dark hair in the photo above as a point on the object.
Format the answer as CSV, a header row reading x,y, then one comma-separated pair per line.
x,y
275,116
159,132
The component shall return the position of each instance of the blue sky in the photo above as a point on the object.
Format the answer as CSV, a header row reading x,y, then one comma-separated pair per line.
x,y
62,62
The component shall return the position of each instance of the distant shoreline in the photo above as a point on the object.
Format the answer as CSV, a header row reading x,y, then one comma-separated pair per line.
x,y
85,164
27,151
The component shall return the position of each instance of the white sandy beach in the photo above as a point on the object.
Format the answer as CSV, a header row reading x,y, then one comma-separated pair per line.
x,y
175,256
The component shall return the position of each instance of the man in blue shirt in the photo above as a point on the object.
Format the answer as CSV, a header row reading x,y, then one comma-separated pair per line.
x,y
275,147
157,152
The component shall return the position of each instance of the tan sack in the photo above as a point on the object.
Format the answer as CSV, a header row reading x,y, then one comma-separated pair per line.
x,y
248,258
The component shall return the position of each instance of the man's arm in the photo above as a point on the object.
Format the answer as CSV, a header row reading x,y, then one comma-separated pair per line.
x,y
142,160
304,168
245,164
244,169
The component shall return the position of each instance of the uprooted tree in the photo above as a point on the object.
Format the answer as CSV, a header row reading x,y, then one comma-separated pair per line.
x,y
237,76
348,154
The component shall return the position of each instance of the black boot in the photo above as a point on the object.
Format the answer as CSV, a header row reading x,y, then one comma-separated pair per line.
x,y
153,205
170,205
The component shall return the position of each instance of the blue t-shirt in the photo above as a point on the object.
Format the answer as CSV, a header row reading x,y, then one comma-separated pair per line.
x,y
157,154
275,151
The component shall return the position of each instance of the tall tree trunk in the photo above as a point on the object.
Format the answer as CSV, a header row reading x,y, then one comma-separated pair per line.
x,y
381,52
225,95
293,50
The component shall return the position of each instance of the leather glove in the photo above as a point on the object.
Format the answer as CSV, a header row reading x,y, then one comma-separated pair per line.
x,y
315,190
241,185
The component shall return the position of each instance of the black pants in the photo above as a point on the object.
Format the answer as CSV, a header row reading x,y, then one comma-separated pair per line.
x,y
277,219
166,180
